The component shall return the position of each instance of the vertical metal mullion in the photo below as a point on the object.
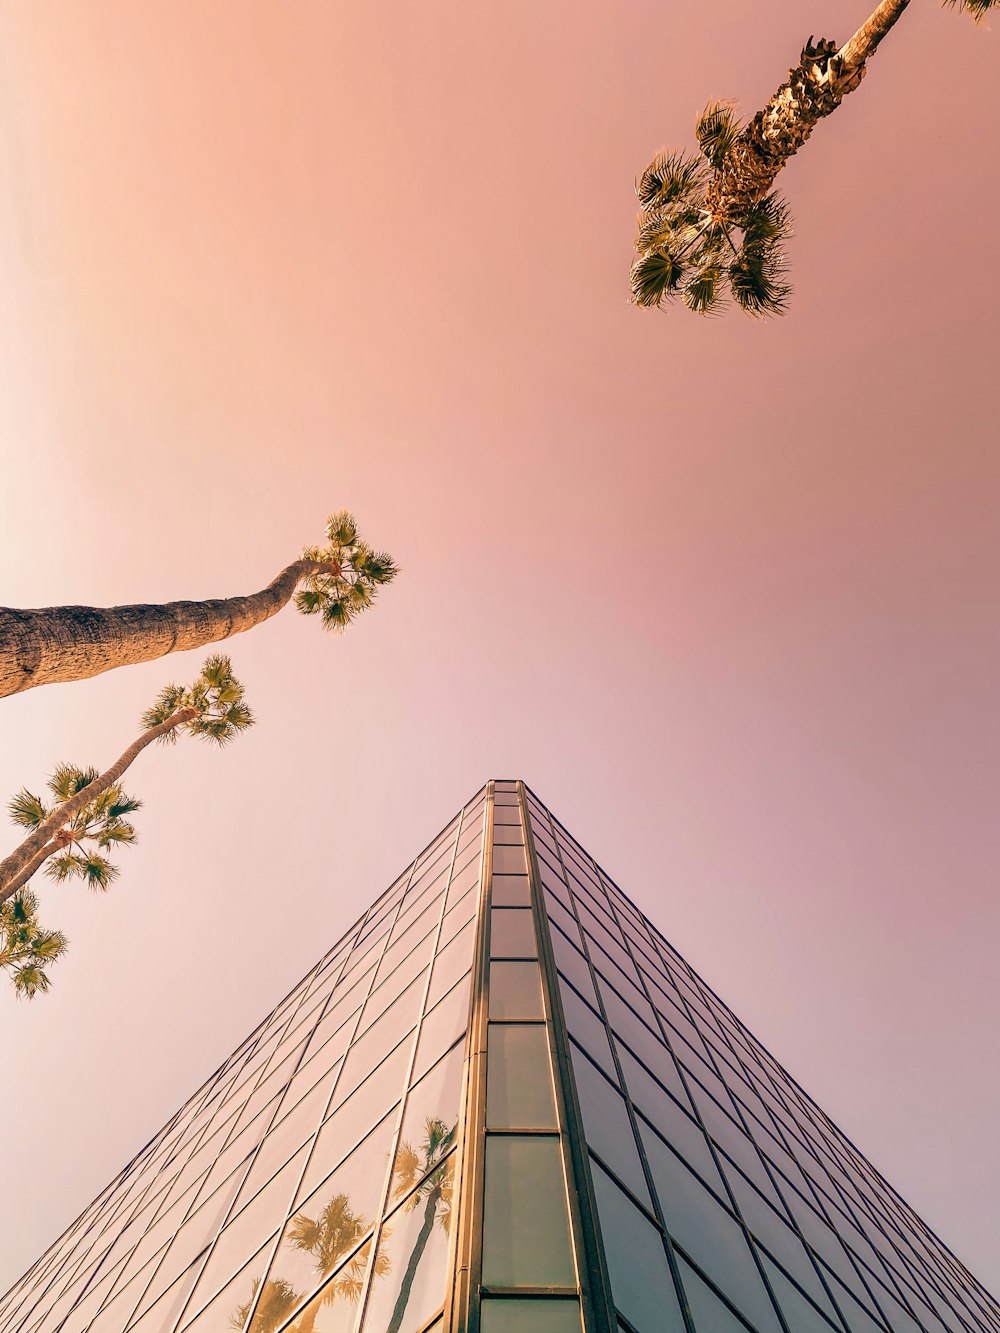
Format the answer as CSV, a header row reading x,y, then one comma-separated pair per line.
x,y
387,1186
461,1313
597,1303
629,1109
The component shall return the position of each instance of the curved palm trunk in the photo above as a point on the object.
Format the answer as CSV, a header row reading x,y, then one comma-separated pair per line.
x,y
419,1245
814,88
22,863
61,643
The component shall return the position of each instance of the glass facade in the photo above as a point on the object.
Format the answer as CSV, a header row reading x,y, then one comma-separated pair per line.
x,y
501,1104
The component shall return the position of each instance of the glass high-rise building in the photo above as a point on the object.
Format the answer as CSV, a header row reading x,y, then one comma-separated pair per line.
x,y
502,1103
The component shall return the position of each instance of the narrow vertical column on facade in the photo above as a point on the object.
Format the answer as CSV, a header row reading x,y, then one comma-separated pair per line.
x,y
518,1268
596,1301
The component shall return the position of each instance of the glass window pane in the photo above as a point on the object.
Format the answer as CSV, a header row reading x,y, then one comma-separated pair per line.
x,y
588,1029
331,1224
334,1309
353,1118
509,860
443,1026
637,1262
232,1304
431,1108
507,835
512,933
411,1262
451,964
517,1316
606,1125
709,1235
526,1221
518,1078
510,891
708,1312
515,991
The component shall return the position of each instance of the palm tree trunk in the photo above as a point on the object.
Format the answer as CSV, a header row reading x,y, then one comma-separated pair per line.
x,y
420,1244
22,863
813,90
61,643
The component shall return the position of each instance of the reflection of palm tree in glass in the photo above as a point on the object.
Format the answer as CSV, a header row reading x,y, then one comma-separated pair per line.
x,y
277,1302
435,1192
329,1238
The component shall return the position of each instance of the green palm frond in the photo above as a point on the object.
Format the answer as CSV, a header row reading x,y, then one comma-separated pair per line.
x,y
669,177
118,832
717,130
170,698
977,8
768,223
352,575
66,865
26,809
48,945
25,949
701,293
341,529
68,779
122,805
655,277
29,979
757,275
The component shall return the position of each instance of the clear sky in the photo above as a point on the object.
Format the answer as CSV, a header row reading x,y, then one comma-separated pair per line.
x,y
723,593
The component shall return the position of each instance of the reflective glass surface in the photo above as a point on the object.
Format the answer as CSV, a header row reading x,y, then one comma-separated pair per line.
x,y
525,1225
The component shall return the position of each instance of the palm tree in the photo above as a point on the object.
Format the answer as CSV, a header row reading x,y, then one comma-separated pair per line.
x,y
278,1299
90,807
26,949
710,226
336,581
101,822
329,1237
435,1193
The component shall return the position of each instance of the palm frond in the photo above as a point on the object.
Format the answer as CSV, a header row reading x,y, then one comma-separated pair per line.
x,y
769,222
170,698
26,809
116,833
757,278
655,277
977,8
29,979
342,529
717,130
670,176
68,779
378,567
122,805
702,291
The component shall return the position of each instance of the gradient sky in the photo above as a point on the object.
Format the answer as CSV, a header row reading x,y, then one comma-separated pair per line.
x,y
723,593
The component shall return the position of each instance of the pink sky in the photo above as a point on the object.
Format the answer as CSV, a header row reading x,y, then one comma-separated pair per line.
x,y
723,593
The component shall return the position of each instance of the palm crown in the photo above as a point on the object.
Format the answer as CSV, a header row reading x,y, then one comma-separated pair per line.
x,y
26,949
101,823
350,583
686,250
711,227
216,702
